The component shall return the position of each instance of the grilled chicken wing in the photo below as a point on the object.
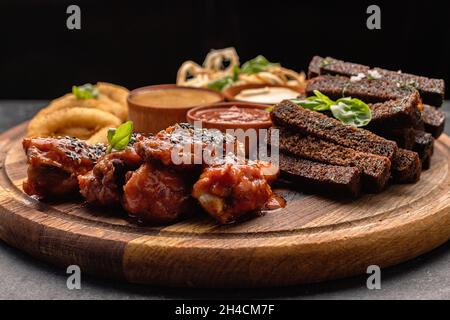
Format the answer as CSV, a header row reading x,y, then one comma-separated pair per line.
x,y
230,190
185,147
157,194
104,183
55,163
157,178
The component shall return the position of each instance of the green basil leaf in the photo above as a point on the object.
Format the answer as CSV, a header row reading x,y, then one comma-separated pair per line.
x,y
86,91
348,110
323,97
111,133
296,101
119,138
255,65
312,104
236,71
221,83
122,144
353,112
319,102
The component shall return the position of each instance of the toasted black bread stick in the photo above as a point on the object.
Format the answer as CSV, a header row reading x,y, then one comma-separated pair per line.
x,y
398,113
293,117
369,91
406,167
404,137
431,90
322,178
424,146
375,169
433,120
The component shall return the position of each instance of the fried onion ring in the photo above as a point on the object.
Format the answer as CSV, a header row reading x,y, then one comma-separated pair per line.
x,y
79,132
99,137
50,124
102,103
114,92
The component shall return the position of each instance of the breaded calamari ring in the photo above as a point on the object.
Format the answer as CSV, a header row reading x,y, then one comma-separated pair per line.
x,y
49,124
101,136
215,60
102,103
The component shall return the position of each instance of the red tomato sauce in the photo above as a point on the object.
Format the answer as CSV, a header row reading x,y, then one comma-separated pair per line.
x,y
234,115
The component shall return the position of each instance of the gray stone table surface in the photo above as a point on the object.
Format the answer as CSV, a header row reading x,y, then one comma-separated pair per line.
x,y
23,277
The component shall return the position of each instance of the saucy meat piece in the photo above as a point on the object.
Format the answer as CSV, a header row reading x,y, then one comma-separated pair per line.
x,y
104,183
55,163
185,147
230,190
269,171
157,194
43,182
229,186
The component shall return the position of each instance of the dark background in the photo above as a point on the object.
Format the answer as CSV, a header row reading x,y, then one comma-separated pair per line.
x,y
136,43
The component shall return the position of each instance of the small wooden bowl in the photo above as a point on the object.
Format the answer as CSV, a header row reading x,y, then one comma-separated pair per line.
x,y
152,119
223,126
230,93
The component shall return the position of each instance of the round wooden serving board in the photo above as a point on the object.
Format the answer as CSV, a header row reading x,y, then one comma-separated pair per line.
x,y
312,239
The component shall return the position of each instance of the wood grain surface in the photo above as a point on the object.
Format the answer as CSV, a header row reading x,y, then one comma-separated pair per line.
x,y
312,239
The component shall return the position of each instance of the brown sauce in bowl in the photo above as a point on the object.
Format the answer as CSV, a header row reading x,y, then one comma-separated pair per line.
x,y
175,98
